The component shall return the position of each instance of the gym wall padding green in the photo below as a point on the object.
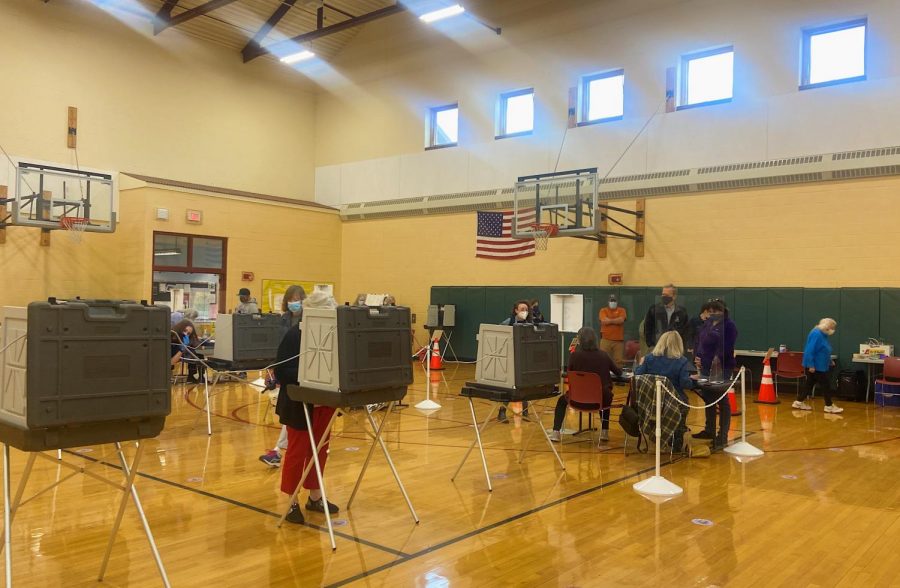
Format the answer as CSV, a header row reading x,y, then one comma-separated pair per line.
x,y
765,317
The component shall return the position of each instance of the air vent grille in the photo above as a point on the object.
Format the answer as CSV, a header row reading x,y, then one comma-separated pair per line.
x,y
651,176
759,164
866,153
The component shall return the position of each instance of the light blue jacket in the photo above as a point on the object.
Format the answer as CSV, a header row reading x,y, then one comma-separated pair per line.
x,y
817,353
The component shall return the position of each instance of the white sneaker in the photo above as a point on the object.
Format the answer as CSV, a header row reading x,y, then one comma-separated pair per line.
x,y
834,408
555,436
604,434
801,405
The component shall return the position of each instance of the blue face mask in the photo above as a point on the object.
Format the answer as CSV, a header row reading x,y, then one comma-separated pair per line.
x,y
295,306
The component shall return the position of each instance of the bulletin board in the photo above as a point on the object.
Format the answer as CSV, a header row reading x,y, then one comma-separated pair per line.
x,y
273,292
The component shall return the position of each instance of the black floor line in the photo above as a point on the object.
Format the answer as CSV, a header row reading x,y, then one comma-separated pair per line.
x,y
240,504
470,534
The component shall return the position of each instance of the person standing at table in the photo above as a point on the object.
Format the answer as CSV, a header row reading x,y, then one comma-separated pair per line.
x,y
612,330
817,366
521,315
716,341
247,304
666,316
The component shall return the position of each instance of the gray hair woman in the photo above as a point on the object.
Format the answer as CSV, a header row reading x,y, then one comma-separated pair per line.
x,y
817,366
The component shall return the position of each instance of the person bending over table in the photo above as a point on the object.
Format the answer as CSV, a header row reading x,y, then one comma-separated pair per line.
x,y
588,358
185,346
667,359
716,340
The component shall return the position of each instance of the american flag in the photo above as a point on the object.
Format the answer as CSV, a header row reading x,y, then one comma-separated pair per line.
x,y
494,239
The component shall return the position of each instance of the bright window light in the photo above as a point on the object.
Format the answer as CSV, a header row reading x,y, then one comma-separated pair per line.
x,y
603,96
441,14
297,57
444,126
836,53
708,76
516,113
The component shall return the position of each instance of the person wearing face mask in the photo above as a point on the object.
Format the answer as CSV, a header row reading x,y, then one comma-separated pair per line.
x,y
521,315
248,303
291,314
666,316
716,340
695,326
817,365
612,330
185,344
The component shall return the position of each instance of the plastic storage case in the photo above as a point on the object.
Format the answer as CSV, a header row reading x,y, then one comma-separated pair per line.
x,y
518,356
248,337
354,355
89,372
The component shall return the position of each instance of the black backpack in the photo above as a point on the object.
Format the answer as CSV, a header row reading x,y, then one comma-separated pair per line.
x,y
630,423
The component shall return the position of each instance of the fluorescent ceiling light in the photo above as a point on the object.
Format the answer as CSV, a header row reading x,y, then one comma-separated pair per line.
x,y
441,14
170,252
295,57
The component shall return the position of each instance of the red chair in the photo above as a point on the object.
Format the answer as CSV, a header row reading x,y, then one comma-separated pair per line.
x,y
889,377
632,349
789,366
585,394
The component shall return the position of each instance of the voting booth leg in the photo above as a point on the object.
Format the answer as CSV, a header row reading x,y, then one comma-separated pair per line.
x,y
325,437
143,517
487,475
379,440
129,485
315,455
7,519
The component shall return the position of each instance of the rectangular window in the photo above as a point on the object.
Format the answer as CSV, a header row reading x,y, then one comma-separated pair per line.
x,y
834,54
603,97
707,77
443,126
516,114
170,250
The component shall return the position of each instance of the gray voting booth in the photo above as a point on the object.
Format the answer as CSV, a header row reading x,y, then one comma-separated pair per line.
x,y
82,372
353,357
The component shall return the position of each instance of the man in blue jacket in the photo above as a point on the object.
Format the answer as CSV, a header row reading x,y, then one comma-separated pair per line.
x,y
817,365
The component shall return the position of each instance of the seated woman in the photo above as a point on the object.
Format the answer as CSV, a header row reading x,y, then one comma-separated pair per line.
x,y
185,346
290,413
716,341
588,358
667,359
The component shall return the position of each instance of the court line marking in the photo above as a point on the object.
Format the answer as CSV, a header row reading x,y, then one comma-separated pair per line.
x,y
240,504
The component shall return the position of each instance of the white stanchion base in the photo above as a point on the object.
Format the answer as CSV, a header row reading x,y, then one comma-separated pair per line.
x,y
657,486
428,404
743,451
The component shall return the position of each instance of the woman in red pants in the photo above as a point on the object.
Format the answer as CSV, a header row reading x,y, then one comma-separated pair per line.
x,y
290,412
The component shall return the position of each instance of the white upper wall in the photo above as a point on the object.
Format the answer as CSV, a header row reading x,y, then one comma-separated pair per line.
x,y
168,106
372,113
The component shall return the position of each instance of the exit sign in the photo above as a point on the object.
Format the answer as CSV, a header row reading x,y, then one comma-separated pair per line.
x,y
194,216
616,279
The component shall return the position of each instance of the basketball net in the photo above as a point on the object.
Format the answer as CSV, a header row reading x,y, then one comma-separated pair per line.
x,y
74,227
542,234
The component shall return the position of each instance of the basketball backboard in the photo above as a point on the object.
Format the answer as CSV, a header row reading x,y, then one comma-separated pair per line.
x,y
49,196
566,199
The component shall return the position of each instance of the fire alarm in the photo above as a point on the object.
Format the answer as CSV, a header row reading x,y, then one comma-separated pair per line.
x,y
247,276
194,216
616,279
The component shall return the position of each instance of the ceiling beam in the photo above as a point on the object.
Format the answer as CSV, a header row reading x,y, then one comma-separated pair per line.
x,y
256,42
350,23
187,15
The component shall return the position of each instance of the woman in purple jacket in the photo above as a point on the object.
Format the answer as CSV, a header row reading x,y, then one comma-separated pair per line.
x,y
716,340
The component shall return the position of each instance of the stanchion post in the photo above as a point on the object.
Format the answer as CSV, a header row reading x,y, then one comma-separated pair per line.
x,y
743,451
657,488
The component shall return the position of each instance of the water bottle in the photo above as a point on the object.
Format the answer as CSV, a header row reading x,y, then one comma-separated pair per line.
x,y
782,348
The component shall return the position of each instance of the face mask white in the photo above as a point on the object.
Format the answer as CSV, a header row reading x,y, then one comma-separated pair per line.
x,y
613,305
522,315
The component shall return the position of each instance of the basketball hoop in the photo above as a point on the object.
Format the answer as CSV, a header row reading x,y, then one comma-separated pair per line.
x,y
75,226
542,233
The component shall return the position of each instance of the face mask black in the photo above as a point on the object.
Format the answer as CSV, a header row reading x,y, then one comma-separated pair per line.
x,y
667,299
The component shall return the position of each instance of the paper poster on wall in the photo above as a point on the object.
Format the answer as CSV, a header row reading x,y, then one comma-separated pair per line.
x,y
273,292
567,311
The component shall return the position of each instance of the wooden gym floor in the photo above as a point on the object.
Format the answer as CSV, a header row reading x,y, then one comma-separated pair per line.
x,y
820,509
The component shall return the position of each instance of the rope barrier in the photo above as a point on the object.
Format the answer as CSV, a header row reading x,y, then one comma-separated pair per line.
x,y
715,402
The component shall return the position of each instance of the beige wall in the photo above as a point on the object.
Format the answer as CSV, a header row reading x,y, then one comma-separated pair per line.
x,y
270,240
800,236
167,106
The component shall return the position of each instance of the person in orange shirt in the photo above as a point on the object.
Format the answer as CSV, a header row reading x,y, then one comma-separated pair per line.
x,y
612,330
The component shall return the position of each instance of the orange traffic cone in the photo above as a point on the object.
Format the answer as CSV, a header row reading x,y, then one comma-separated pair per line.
x,y
732,401
436,362
767,394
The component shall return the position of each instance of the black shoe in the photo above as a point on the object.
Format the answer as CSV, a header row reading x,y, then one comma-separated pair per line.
x,y
703,435
295,515
317,506
524,412
501,416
